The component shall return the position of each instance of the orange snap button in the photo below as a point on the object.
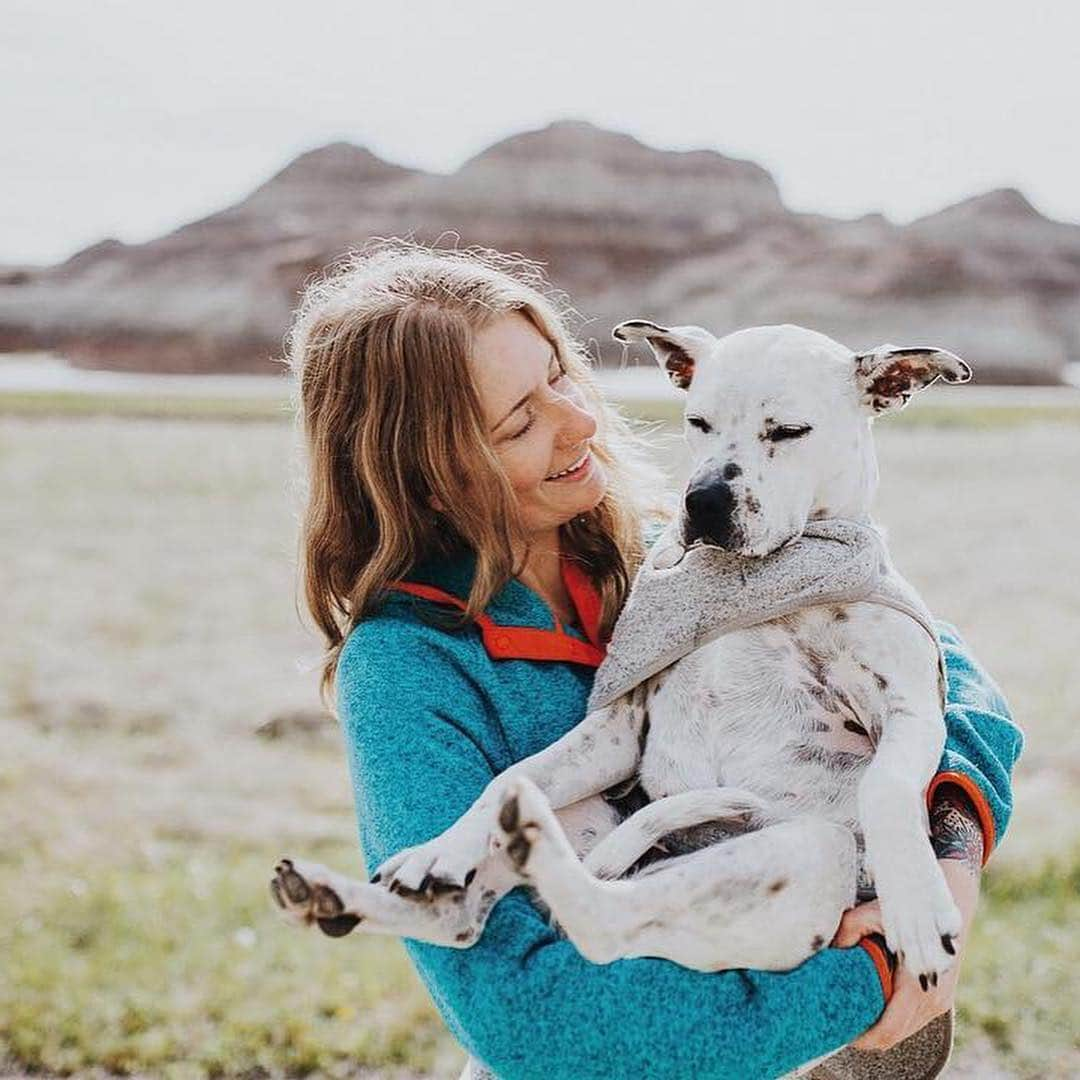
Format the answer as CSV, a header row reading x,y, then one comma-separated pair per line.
x,y
502,641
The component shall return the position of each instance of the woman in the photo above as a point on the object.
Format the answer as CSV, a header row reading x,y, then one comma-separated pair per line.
x,y
474,520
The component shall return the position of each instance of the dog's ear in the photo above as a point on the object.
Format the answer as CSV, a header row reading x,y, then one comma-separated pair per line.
x,y
887,376
675,347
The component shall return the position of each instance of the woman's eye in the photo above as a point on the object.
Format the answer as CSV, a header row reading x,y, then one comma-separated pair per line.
x,y
518,434
788,431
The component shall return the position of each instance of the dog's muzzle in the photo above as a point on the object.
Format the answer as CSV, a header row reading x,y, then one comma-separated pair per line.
x,y
709,511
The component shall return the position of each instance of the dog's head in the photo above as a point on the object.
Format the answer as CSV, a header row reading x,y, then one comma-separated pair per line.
x,y
778,423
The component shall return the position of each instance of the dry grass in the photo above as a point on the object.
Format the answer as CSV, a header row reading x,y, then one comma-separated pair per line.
x,y
146,572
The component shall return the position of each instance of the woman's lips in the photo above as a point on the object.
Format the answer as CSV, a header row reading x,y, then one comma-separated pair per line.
x,y
579,473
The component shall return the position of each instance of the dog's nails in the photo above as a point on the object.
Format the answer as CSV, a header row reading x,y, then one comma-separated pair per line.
x,y
469,877
947,944
426,884
376,878
933,978
275,892
924,982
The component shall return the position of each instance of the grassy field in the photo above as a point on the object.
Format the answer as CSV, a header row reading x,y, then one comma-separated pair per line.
x,y
163,746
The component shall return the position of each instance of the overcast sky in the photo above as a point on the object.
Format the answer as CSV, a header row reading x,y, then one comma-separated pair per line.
x,y
128,117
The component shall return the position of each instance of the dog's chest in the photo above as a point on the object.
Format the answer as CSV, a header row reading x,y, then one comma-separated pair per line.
x,y
789,710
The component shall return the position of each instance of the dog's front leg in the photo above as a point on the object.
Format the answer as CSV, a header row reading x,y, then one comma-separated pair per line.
x,y
918,912
602,750
312,894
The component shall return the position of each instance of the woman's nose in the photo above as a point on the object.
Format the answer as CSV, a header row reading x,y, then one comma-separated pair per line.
x,y
578,423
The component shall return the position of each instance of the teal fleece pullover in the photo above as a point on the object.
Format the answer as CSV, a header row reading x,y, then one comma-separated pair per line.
x,y
429,716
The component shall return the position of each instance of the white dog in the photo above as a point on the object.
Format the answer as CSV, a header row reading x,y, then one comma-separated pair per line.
x,y
784,765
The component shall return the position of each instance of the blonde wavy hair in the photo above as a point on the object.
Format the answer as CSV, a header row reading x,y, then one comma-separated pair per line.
x,y
389,418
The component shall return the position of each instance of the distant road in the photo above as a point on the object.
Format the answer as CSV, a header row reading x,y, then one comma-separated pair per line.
x,y
44,373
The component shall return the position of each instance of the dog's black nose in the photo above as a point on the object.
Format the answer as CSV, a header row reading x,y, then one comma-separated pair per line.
x,y
710,509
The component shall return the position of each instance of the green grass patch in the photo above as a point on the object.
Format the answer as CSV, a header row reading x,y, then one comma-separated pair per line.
x,y
1017,984
185,969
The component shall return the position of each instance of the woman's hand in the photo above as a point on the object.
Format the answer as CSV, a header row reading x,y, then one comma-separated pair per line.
x,y
958,843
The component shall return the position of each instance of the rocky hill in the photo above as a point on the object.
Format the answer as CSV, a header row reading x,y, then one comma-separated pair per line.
x,y
624,228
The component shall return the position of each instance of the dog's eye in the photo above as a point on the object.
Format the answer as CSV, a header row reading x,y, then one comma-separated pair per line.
x,y
788,431
699,422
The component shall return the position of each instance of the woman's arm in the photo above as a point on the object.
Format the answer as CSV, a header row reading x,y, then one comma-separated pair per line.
x,y
982,743
522,1000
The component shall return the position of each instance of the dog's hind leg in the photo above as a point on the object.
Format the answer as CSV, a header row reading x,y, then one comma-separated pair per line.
x,y
310,893
767,899
621,848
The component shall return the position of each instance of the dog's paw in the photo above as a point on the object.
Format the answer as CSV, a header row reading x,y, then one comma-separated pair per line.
x,y
446,864
922,924
518,823
306,893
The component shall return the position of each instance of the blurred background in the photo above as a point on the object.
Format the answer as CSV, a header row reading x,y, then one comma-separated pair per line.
x,y
172,174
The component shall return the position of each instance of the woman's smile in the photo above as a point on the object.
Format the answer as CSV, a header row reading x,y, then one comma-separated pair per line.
x,y
577,471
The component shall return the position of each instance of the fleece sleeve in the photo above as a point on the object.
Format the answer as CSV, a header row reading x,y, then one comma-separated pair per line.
x,y
522,1000
982,743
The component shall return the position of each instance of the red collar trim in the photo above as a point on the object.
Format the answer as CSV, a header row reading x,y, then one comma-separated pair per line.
x,y
530,642
586,601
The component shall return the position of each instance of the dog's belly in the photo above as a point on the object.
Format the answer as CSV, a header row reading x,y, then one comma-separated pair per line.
x,y
785,710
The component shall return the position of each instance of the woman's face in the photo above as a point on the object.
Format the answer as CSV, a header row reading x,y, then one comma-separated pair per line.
x,y
538,423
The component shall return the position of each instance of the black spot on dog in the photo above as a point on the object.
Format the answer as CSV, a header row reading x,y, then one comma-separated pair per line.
x,y
509,815
882,682
832,760
818,943
778,885
518,849
643,735
839,614
464,935
731,471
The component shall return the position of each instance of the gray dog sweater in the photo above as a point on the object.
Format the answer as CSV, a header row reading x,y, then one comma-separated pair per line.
x,y
682,598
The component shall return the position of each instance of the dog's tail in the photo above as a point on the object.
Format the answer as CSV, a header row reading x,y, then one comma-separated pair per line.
x,y
736,808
